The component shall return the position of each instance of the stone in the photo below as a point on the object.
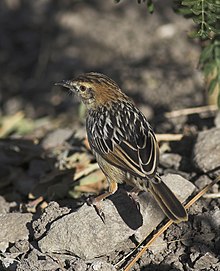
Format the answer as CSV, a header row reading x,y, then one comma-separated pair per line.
x,y
170,160
77,264
84,234
217,120
158,246
35,261
51,213
99,265
206,262
4,206
8,262
14,227
206,152
215,215
56,138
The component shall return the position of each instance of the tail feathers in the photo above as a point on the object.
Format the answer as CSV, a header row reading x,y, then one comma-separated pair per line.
x,y
168,202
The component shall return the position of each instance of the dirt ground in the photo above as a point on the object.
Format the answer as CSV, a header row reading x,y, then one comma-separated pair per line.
x,y
47,170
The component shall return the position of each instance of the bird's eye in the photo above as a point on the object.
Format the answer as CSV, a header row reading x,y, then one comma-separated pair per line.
x,y
82,88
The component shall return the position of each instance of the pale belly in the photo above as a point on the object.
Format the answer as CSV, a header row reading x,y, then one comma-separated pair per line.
x,y
113,173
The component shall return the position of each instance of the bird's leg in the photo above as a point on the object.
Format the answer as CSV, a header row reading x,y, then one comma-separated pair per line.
x,y
113,186
133,194
134,191
96,202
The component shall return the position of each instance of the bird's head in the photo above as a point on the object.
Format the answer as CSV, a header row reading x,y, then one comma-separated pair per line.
x,y
94,89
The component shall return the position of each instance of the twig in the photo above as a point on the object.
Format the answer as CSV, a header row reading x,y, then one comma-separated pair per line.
x,y
202,192
169,223
169,137
189,111
10,122
212,196
86,171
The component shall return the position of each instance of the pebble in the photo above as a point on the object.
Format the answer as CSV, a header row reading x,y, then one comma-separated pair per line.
x,y
16,221
206,152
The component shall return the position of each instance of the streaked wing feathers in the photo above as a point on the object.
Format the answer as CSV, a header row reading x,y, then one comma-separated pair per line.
x,y
131,147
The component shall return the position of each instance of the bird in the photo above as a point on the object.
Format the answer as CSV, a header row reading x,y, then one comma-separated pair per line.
x,y
122,141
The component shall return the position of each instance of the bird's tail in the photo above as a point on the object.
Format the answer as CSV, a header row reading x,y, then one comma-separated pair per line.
x,y
168,202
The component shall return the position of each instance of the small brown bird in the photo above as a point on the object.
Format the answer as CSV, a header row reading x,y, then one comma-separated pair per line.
x,y
122,141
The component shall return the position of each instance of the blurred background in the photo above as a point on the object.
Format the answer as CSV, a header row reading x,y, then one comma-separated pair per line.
x,y
45,41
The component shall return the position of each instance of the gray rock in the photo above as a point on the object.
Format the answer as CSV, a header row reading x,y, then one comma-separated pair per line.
x,y
56,138
84,234
170,160
206,152
4,205
215,215
158,246
217,120
51,213
77,264
194,255
146,110
21,246
202,181
206,262
99,265
35,261
13,228
8,261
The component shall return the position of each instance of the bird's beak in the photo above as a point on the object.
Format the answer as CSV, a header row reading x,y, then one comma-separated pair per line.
x,y
65,83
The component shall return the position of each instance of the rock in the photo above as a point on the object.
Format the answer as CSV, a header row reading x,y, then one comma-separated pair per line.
x,y
8,261
99,265
215,215
217,120
173,260
202,181
56,138
206,152
158,246
146,110
4,206
84,234
77,264
195,254
206,262
51,213
170,160
35,261
19,223
21,246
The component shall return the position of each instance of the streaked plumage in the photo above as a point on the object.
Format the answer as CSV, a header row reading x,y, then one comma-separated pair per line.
x,y
122,140
127,132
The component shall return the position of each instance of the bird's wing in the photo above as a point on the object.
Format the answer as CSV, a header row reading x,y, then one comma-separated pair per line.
x,y
125,140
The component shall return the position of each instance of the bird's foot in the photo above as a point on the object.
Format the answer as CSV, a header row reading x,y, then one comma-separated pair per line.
x,y
133,195
92,201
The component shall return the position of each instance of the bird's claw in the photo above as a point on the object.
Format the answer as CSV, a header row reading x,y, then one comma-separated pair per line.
x,y
97,205
133,195
100,212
